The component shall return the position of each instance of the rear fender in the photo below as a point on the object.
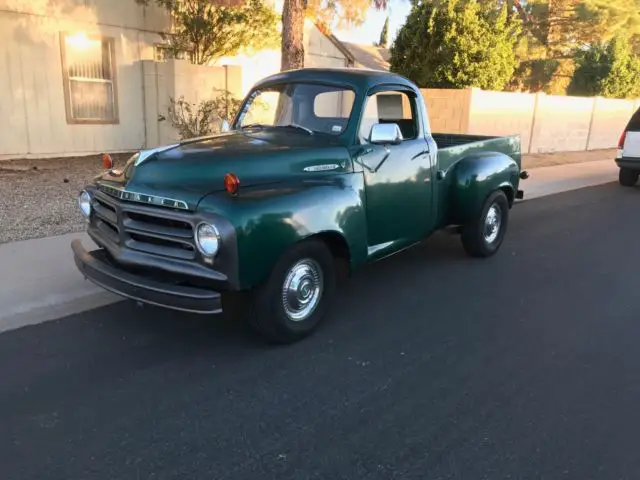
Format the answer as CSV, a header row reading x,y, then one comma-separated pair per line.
x,y
271,219
477,176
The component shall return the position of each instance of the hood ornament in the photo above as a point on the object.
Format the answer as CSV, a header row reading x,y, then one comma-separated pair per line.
x,y
144,154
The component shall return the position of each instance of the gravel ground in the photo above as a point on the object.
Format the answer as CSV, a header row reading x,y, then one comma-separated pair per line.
x,y
39,196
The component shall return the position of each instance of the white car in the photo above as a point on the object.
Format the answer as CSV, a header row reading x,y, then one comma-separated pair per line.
x,y
628,158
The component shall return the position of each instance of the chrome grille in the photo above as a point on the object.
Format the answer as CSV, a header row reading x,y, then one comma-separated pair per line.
x,y
154,230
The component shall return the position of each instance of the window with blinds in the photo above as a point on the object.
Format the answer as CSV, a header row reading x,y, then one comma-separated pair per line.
x,y
89,79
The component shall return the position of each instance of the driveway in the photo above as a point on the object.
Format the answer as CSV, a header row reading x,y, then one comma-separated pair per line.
x,y
433,366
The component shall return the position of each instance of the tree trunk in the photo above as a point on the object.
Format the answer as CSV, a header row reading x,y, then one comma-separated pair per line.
x,y
292,34
524,16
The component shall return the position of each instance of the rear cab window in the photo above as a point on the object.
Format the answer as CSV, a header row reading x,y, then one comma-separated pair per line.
x,y
634,123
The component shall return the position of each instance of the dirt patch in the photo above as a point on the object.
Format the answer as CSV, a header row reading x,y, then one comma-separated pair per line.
x,y
536,160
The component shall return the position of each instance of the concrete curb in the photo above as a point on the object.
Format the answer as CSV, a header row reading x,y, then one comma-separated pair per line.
x,y
41,282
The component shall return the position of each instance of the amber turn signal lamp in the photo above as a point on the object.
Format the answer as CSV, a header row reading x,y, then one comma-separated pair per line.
x,y
231,183
107,161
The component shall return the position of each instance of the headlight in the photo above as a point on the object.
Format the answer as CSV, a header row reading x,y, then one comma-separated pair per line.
x,y
207,239
84,202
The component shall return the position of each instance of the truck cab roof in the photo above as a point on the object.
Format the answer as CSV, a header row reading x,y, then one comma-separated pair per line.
x,y
358,79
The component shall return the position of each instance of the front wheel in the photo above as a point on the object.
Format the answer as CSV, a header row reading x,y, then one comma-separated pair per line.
x,y
628,177
483,236
296,296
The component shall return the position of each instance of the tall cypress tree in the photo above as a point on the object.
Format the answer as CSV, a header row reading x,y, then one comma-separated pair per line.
x,y
384,35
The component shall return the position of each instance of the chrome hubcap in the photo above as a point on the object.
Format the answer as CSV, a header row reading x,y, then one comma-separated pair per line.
x,y
302,290
492,224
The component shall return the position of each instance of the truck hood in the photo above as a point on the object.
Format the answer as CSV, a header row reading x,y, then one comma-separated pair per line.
x,y
190,170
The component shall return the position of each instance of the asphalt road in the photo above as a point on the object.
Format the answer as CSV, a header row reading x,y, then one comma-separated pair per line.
x,y
433,366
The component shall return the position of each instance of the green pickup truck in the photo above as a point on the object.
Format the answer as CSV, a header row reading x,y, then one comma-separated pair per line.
x,y
320,172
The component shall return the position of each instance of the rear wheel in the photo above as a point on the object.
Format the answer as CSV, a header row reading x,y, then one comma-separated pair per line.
x,y
483,236
296,296
628,177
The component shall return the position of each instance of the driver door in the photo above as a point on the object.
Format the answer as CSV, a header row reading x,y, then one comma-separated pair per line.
x,y
398,177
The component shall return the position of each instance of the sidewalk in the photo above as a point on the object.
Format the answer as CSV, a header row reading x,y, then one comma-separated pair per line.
x,y
562,178
41,282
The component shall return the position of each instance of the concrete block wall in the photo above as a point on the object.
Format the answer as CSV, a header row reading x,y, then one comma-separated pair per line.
x,y
545,123
610,117
448,109
561,124
502,113
180,78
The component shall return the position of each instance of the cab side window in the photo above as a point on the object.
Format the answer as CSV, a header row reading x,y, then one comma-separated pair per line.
x,y
389,107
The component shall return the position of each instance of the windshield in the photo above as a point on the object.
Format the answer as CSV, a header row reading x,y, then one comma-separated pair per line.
x,y
303,107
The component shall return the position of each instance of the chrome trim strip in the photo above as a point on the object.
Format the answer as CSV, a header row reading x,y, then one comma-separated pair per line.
x,y
321,168
123,194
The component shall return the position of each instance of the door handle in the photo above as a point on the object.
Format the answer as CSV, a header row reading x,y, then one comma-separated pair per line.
x,y
364,151
421,154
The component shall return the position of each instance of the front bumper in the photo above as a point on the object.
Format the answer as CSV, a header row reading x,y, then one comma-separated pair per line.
x,y
523,176
95,266
628,162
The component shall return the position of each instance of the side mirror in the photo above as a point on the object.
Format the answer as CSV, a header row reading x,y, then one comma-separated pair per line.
x,y
385,133
225,126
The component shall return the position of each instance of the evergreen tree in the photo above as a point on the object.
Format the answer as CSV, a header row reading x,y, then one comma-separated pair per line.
x,y
608,69
553,30
562,25
457,44
593,65
384,35
623,80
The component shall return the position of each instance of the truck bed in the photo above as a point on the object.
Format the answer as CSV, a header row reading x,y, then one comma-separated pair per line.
x,y
454,147
446,140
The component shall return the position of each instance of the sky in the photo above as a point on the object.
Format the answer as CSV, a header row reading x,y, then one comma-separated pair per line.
x,y
369,32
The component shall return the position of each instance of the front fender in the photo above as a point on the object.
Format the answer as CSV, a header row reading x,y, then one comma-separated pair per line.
x,y
475,177
270,219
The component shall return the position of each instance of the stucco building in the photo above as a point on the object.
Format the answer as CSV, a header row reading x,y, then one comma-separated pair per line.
x,y
85,76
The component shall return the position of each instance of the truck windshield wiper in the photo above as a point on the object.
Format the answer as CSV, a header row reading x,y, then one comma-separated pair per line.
x,y
253,125
293,125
